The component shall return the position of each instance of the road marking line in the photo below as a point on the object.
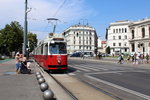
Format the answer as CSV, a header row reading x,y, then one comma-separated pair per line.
x,y
121,88
113,72
72,74
83,66
96,67
77,67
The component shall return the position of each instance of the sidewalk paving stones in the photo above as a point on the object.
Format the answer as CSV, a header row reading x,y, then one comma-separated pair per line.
x,y
17,86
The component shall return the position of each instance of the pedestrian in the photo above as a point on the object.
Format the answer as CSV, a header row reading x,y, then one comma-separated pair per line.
x,y
142,58
17,59
147,58
132,56
137,58
128,58
99,55
24,67
120,59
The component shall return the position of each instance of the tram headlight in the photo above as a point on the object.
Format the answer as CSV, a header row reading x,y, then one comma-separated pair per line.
x,y
52,42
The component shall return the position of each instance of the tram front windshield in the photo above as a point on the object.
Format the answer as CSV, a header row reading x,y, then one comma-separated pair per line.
x,y
58,48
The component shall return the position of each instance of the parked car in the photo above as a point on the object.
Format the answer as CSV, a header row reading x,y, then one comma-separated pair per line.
x,y
76,55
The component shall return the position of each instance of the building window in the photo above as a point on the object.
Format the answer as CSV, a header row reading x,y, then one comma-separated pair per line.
x,y
86,42
113,30
77,34
125,30
119,30
113,37
132,34
125,49
119,37
119,44
79,47
143,32
125,44
149,31
132,47
79,42
116,30
125,37
87,47
122,30
114,44
90,33
90,42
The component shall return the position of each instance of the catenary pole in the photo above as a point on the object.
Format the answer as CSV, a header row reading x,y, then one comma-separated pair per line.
x,y
25,29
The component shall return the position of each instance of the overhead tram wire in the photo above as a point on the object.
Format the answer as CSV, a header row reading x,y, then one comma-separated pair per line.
x,y
59,8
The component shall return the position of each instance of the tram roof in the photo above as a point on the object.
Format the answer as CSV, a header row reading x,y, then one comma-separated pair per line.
x,y
53,37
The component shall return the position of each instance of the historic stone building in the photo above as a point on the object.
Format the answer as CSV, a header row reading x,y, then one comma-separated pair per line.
x,y
140,36
118,37
81,38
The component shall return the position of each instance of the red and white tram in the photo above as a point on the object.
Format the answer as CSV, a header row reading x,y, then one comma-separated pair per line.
x,y
51,53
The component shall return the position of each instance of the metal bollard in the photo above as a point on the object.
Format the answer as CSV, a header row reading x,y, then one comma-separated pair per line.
x,y
44,86
48,95
38,73
41,80
39,76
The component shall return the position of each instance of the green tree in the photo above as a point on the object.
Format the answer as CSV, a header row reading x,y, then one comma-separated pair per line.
x,y
32,39
108,50
11,38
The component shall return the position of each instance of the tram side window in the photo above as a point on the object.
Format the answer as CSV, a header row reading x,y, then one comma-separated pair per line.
x,y
42,49
45,49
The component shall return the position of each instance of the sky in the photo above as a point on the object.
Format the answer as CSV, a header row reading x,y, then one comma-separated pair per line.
x,y
98,13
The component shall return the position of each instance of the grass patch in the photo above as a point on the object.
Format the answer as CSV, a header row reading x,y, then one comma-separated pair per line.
x,y
4,60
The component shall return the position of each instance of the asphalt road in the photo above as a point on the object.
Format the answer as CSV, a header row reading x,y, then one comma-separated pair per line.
x,y
123,81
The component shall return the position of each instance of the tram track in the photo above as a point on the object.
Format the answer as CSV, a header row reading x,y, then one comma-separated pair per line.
x,y
67,91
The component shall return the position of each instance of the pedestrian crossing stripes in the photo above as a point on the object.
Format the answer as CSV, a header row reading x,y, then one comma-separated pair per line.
x,y
79,68
97,68
87,68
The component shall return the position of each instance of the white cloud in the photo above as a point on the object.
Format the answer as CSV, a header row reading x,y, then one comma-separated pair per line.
x,y
13,10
